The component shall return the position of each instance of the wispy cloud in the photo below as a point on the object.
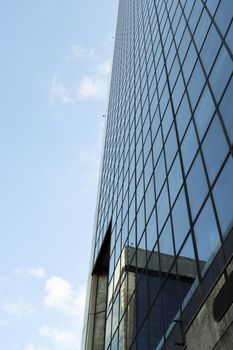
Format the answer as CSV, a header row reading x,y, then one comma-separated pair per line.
x,y
92,88
104,68
65,338
81,52
37,272
30,346
95,86
58,92
19,309
61,296
92,84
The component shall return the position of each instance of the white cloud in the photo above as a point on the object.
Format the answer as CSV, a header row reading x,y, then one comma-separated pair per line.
x,y
58,92
92,87
19,309
104,68
81,52
19,272
65,338
38,272
30,346
60,295
95,86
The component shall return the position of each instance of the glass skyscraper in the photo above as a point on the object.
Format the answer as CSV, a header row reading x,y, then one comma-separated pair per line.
x,y
163,234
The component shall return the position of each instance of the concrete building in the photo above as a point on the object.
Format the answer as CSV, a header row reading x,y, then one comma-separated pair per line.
x,y
162,256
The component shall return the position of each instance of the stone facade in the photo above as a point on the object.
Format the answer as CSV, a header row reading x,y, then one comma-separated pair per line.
x,y
204,332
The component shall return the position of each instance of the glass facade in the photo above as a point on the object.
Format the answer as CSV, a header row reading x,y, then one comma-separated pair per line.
x,y
166,187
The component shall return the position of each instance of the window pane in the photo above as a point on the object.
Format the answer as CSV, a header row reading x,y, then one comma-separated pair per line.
x,y
150,198
162,206
219,80
178,92
189,147
165,240
171,147
175,179
206,234
204,112
196,84
187,271
151,232
226,110
214,152
160,174
224,15
183,116
140,221
180,220
167,120
197,186
223,195
201,29
210,48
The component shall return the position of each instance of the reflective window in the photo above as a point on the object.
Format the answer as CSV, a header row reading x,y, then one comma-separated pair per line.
x,y
160,174
171,147
180,220
151,232
167,120
178,92
140,191
175,179
226,110
140,221
197,185
196,84
204,112
162,207
206,234
108,331
115,315
201,29
171,301
183,116
218,80
214,152
186,269
212,5
210,48
185,42
229,38
114,345
157,146
148,169
150,198
195,14
189,62
166,244
189,147
224,15
223,195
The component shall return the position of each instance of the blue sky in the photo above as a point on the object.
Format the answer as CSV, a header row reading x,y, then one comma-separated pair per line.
x,y
54,67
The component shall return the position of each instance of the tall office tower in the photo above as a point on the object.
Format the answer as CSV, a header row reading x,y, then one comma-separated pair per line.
x,y
161,267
